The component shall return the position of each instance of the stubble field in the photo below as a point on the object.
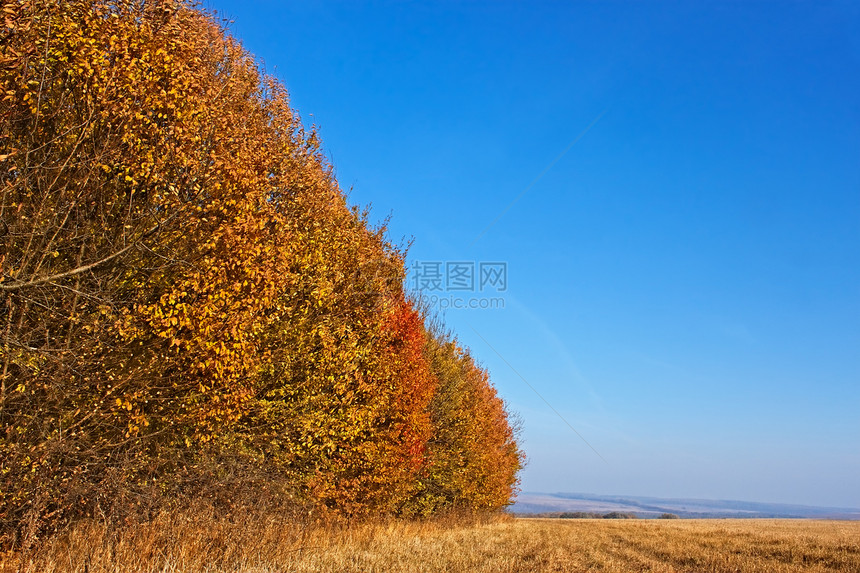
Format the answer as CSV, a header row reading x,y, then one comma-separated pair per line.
x,y
497,545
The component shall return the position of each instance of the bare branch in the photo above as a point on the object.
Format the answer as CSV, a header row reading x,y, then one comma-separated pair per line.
x,y
72,272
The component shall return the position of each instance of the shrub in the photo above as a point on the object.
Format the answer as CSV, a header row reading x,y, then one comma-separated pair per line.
x,y
620,515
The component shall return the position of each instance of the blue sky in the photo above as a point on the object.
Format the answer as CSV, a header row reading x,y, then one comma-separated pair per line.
x,y
683,247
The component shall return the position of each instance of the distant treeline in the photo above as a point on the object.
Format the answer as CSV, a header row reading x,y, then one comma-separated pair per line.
x,y
592,515
188,306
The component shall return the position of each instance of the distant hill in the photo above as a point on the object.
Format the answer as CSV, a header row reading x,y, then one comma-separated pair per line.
x,y
650,507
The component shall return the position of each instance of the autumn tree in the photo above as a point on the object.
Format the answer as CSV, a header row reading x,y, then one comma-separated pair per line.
x,y
186,293
142,155
101,174
473,457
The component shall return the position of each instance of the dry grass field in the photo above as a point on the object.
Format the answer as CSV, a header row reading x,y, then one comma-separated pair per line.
x,y
196,543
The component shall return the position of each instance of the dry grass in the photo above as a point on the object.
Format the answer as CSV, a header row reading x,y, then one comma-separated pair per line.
x,y
198,543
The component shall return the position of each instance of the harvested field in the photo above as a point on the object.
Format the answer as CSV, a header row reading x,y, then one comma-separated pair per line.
x,y
495,545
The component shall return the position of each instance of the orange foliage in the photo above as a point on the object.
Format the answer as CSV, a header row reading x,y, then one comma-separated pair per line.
x,y
182,278
473,455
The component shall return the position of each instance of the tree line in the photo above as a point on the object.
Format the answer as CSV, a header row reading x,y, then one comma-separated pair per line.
x,y
187,301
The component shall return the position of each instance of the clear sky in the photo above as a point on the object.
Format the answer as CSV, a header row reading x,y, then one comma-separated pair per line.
x,y
683,247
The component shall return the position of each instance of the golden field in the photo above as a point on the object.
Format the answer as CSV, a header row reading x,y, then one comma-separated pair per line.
x,y
197,543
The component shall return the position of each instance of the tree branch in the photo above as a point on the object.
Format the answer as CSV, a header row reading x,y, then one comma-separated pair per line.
x,y
71,273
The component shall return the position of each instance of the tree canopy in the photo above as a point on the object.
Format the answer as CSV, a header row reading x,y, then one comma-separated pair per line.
x,y
186,295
